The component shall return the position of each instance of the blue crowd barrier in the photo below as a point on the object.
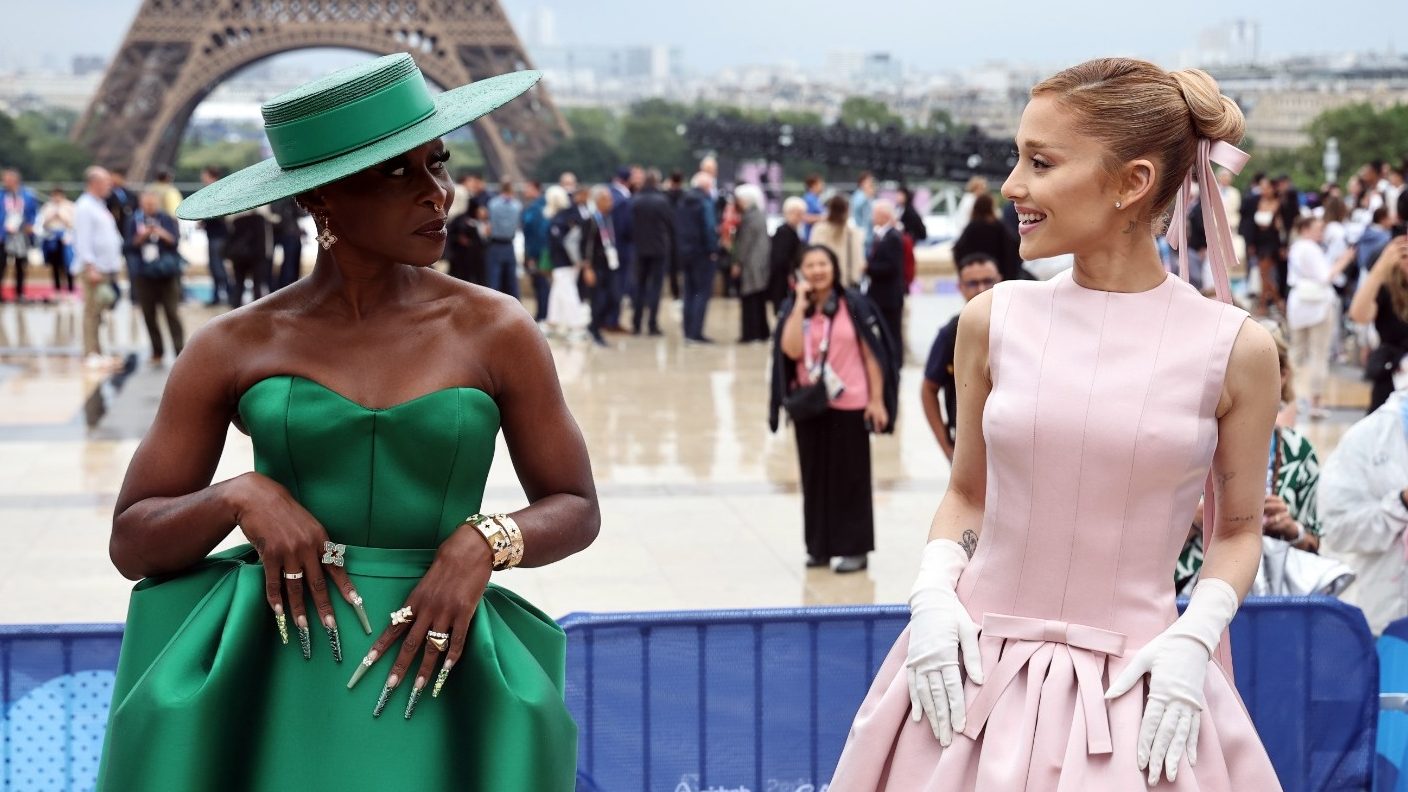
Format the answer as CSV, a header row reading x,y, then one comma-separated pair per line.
x,y
1391,775
763,700
55,685
743,700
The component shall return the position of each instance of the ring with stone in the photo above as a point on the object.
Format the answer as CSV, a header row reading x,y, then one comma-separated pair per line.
x,y
439,640
293,576
333,553
402,616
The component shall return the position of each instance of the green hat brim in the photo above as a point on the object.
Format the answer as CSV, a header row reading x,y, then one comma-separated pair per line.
x,y
266,182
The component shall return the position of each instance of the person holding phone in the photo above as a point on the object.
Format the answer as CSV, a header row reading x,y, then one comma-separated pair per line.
x,y
835,336
1382,300
152,236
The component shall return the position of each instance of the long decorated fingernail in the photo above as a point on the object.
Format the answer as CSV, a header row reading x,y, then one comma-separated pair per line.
x,y
282,621
385,694
305,641
361,612
440,680
362,668
415,696
334,639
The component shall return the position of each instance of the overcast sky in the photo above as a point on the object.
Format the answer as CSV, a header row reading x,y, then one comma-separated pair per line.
x,y
930,34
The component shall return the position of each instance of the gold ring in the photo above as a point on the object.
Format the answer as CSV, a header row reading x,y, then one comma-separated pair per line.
x,y
439,640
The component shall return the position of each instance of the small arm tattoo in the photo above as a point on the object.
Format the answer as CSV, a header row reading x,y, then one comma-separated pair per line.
x,y
969,542
1223,478
1242,518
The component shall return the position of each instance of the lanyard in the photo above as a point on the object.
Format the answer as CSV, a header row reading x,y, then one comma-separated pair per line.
x,y
807,361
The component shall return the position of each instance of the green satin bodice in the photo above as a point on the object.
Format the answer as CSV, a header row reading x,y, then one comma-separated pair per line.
x,y
208,696
401,476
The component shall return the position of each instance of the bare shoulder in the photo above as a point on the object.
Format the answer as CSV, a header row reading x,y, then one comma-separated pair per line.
x,y
1253,367
975,319
481,312
500,333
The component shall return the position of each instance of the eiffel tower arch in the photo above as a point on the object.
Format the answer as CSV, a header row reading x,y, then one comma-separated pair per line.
x,y
178,51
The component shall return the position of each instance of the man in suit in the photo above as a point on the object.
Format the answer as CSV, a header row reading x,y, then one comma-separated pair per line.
x,y
622,279
697,243
886,269
653,227
591,244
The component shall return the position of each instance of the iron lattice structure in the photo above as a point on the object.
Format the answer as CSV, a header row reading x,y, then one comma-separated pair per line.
x,y
178,51
889,153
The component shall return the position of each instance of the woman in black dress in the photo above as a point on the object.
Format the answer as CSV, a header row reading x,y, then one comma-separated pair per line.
x,y
986,234
1383,300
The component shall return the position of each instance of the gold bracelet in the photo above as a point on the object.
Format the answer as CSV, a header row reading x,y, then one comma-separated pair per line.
x,y
504,538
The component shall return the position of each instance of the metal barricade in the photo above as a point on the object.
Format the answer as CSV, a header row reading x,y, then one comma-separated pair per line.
x,y
742,700
763,700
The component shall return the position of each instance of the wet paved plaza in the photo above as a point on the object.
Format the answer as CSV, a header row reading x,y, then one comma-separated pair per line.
x,y
700,502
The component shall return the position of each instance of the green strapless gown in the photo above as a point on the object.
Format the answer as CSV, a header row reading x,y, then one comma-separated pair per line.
x,y
207,697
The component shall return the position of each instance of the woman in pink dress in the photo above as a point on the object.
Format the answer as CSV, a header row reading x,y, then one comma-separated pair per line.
x,y
1044,650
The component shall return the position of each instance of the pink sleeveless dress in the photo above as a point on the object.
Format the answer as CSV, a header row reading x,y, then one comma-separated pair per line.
x,y
1100,431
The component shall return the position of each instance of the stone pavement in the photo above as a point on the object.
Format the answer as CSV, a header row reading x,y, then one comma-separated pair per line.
x,y
700,503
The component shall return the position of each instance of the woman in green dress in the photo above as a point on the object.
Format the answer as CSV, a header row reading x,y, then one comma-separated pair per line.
x,y
373,392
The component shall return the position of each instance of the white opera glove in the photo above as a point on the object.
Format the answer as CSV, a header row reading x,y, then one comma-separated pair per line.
x,y
1177,663
938,626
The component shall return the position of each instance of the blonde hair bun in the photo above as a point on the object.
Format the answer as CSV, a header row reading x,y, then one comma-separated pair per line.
x,y
1215,116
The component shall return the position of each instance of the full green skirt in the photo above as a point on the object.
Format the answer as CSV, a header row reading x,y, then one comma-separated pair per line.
x,y
207,697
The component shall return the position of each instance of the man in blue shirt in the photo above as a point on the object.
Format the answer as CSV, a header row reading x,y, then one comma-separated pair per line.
x,y
816,210
20,211
535,245
977,273
1375,238
501,264
862,205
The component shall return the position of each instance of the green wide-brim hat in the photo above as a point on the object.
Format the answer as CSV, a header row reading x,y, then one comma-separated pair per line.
x,y
346,122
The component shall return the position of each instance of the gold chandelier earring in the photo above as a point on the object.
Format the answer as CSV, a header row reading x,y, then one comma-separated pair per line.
x,y
326,237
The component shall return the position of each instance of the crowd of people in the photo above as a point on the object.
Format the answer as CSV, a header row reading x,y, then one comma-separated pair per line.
x,y
115,232
590,251
827,287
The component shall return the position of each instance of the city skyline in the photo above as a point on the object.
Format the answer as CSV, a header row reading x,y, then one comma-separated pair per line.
x,y
719,36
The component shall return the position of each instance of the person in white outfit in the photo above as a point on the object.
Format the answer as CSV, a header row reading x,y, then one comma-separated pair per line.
x,y
566,314
97,257
1364,511
1312,309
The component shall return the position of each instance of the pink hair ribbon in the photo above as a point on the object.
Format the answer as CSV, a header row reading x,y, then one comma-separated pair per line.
x,y
1222,256
1221,253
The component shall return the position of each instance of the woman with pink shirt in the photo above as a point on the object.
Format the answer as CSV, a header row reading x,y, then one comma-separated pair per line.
x,y
836,348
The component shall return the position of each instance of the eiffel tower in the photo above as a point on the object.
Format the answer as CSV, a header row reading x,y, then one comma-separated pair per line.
x,y
178,51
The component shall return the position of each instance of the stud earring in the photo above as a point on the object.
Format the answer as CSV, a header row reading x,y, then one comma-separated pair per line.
x,y
1119,205
326,237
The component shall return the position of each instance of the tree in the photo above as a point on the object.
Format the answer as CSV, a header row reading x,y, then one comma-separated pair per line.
x,y
228,156
941,122
14,146
859,110
654,141
594,122
59,160
1364,134
592,159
